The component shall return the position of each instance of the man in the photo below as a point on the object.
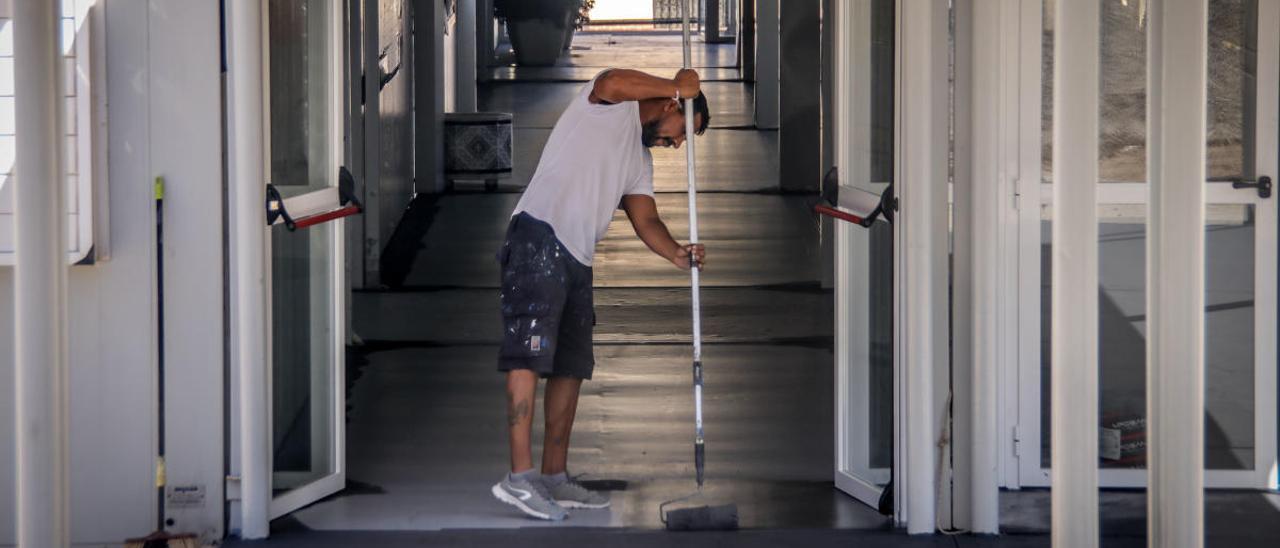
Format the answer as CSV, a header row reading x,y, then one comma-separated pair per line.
x,y
595,161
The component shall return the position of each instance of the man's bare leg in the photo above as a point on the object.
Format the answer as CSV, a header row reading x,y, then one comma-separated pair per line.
x,y
521,387
561,405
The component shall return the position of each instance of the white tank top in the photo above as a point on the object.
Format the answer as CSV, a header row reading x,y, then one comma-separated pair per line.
x,y
593,158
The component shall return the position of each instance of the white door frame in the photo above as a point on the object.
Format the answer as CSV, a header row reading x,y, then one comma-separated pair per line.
x,y
250,478
302,491
1020,462
920,365
853,472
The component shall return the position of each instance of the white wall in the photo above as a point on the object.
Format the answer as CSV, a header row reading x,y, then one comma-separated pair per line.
x,y
165,119
186,148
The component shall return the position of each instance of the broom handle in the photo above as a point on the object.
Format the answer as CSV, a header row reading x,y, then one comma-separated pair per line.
x,y
698,447
161,474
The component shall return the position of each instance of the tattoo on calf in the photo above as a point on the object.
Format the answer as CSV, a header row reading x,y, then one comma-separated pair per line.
x,y
517,411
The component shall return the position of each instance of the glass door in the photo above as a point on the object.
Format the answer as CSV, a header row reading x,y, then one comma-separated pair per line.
x,y
1240,254
1240,246
306,277
864,257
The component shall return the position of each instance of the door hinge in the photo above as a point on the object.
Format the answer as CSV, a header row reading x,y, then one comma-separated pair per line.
x,y
1017,441
233,488
1017,196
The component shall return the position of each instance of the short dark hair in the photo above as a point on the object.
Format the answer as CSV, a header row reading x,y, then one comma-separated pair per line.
x,y
700,107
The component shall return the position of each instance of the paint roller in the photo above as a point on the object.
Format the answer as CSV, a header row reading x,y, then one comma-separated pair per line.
x,y
699,518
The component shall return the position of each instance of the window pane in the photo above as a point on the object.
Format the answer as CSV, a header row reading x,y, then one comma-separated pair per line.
x,y
302,281
1233,60
1229,337
882,90
1122,336
6,37
8,152
881,338
6,76
8,125
1122,99
1122,139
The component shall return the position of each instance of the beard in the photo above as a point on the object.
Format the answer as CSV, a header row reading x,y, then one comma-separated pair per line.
x,y
649,134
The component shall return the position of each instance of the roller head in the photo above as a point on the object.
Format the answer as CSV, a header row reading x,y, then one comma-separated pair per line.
x,y
700,460
704,518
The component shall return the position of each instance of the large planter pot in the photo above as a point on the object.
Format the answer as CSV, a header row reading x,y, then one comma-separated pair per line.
x,y
568,35
538,42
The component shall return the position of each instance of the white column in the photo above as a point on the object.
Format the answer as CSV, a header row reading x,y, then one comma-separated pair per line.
x,y
40,281
1074,370
921,247
246,131
1177,61
767,54
465,67
993,27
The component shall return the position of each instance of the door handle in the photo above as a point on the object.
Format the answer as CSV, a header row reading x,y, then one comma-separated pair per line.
x,y
1263,184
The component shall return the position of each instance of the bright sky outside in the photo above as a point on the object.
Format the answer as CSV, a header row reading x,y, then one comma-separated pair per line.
x,y
609,10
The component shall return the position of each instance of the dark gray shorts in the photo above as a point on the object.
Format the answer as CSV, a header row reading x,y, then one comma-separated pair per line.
x,y
547,305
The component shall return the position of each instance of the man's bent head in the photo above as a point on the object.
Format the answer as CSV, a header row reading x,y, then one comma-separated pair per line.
x,y
668,129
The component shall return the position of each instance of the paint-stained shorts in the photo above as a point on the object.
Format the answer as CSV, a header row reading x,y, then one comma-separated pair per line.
x,y
547,307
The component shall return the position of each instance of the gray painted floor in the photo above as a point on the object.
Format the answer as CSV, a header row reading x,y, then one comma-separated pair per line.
x,y
728,160
751,240
625,315
1232,518
634,50
427,439
583,74
295,536
728,101
539,104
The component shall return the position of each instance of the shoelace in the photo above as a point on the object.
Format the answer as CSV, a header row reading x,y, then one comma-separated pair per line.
x,y
541,489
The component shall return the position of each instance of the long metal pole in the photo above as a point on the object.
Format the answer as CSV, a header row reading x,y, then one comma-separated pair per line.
x,y
245,134
699,447
40,281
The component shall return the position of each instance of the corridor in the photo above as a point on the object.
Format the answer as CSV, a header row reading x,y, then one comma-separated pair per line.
x,y
426,411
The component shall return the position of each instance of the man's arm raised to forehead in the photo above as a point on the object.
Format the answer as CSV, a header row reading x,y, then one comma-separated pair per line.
x,y
618,85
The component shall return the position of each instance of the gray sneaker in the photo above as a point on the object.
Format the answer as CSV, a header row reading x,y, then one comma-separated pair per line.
x,y
571,494
530,497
